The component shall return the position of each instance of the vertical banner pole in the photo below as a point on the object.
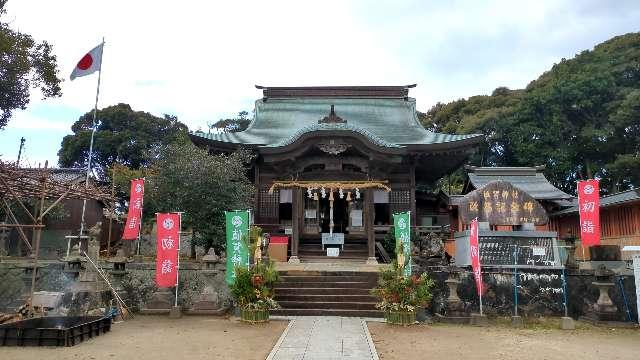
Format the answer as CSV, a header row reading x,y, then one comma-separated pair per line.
x,y
140,222
474,254
515,280
564,292
178,263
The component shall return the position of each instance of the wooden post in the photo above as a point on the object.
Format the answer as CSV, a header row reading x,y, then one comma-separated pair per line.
x,y
113,194
412,195
369,217
38,234
296,206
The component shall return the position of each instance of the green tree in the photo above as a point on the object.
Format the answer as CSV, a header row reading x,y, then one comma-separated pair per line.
x,y
24,64
186,178
239,123
123,136
580,119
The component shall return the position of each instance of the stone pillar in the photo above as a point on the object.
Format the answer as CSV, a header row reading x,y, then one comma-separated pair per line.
x,y
604,308
371,236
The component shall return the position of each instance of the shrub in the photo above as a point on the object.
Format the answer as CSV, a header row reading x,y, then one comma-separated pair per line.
x,y
399,293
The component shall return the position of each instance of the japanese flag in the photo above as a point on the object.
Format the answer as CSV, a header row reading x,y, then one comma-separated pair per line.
x,y
89,63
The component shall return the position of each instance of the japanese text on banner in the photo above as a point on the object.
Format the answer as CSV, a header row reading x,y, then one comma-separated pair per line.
x,y
589,210
167,247
132,226
237,238
474,249
402,229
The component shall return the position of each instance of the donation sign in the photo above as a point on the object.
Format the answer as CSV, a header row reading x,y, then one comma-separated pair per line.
x,y
237,240
132,226
167,246
402,229
589,209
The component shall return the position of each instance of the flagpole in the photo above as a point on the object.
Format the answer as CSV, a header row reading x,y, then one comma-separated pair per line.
x,y
93,131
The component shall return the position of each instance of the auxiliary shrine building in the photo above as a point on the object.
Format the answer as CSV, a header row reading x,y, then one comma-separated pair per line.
x,y
334,164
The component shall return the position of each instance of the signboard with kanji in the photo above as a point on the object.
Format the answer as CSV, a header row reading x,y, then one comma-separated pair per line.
x,y
237,240
500,203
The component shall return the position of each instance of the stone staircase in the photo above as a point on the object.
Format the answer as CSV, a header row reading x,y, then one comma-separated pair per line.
x,y
352,253
326,293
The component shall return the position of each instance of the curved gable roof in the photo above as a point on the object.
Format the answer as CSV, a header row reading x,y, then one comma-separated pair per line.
x,y
386,121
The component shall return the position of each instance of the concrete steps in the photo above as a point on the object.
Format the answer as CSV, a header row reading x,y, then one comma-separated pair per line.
x,y
301,293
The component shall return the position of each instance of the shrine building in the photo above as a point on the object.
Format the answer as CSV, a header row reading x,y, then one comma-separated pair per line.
x,y
334,163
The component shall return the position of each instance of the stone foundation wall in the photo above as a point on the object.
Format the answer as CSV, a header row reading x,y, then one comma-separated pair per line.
x,y
539,292
136,285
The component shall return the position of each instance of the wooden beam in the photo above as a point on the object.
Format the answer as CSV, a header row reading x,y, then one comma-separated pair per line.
x,y
62,197
13,218
16,198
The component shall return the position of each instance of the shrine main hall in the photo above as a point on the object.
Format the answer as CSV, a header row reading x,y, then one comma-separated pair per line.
x,y
334,163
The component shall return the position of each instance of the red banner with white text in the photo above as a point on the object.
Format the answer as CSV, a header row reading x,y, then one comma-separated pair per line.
x,y
132,226
167,245
589,209
474,249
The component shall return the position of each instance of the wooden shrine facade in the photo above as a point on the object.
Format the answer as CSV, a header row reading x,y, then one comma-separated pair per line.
x,y
619,222
339,160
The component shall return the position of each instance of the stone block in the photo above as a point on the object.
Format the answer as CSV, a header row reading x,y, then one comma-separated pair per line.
x,y
567,323
517,322
175,313
479,320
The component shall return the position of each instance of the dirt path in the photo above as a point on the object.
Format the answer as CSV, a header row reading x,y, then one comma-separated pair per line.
x,y
158,338
464,342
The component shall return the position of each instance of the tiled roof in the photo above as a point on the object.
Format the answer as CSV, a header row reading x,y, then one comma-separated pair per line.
x,y
622,197
388,122
528,179
64,175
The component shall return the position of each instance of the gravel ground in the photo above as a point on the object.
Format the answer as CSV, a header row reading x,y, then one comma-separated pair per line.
x,y
453,342
158,338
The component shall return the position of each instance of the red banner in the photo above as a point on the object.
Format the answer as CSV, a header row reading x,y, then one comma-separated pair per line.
x,y
589,209
168,244
132,227
474,249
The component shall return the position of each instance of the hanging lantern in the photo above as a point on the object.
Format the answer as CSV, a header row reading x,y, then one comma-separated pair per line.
x,y
331,195
341,193
315,196
357,193
349,196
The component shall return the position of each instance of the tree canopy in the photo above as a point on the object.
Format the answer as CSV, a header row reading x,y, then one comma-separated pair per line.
x,y
581,119
123,136
203,186
24,64
239,123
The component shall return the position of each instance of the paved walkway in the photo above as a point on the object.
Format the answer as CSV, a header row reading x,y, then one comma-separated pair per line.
x,y
325,337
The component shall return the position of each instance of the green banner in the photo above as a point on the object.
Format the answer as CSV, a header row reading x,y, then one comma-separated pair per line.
x,y
237,238
402,226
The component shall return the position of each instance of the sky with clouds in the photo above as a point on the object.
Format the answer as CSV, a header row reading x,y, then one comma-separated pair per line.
x,y
200,60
